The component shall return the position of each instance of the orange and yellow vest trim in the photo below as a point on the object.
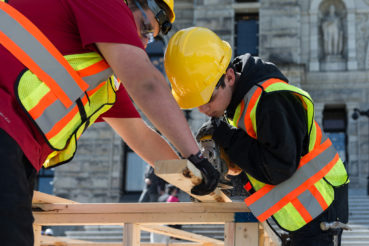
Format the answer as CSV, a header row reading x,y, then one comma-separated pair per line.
x,y
298,200
63,95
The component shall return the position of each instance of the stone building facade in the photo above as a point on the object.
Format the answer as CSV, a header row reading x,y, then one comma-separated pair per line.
x,y
321,45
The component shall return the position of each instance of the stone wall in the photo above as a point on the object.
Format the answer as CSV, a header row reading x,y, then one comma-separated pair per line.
x,y
95,173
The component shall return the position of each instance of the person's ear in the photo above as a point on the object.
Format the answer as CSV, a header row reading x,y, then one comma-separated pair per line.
x,y
230,77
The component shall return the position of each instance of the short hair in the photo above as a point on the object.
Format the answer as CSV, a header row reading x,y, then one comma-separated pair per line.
x,y
221,80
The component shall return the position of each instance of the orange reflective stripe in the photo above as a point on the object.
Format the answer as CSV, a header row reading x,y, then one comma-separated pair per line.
x,y
318,131
302,210
248,121
45,102
319,175
93,69
265,189
269,82
319,149
62,123
22,56
315,192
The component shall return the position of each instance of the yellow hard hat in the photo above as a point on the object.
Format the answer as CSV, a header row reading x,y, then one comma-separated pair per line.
x,y
170,5
195,59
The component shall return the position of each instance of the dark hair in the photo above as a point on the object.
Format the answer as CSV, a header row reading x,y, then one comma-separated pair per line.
x,y
221,80
171,188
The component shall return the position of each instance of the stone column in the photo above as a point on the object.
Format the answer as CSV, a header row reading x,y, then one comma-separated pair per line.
x,y
314,41
351,40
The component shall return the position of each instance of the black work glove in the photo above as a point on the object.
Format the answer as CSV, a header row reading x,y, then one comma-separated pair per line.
x,y
210,176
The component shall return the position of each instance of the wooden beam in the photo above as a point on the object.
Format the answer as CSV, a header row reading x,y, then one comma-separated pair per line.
x,y
229,233
117,214
40,197
247,234
169,231
184,175
131,234
55,219
144,208
37,234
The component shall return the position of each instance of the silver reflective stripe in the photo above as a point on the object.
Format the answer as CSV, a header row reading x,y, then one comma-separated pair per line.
x,y
95,79
30,45
301,175
247,98
310,203
56,111
52,115
324,137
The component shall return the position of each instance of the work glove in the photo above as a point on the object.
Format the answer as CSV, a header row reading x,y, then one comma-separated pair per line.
x,y
210,176
220,131
208,128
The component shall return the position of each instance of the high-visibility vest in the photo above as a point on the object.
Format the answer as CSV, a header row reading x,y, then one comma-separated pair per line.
x,y
301,198
62,95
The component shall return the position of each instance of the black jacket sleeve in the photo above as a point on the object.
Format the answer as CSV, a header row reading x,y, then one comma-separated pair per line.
x,y
282,139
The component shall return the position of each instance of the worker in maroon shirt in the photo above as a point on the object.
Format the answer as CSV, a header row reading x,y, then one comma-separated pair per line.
x,y
57,59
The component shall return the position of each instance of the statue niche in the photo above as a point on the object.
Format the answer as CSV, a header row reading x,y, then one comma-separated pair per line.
x,y
332,34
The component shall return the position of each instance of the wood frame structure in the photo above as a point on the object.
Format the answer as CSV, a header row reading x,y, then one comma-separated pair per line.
x,y
241,227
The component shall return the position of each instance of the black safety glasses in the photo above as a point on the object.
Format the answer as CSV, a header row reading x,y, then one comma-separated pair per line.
x,y
160,16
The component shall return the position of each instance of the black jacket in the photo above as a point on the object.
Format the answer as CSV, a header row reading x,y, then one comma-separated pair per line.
x,y
281,126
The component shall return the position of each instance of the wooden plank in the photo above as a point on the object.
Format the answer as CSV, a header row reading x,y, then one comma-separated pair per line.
x,y
261,235
55,219
86,243
131,234
37,234
184,175
145,208
247,234
40,197
229,233
169,231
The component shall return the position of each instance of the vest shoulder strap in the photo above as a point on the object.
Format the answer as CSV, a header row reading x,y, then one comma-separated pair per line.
x,y
32,48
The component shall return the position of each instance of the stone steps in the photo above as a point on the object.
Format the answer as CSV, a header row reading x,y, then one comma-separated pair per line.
x,y
358,221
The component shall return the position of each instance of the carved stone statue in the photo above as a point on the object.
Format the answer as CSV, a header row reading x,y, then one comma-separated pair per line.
x,y
332,33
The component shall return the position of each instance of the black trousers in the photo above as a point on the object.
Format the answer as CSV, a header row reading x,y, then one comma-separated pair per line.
x,y
17,177
312,235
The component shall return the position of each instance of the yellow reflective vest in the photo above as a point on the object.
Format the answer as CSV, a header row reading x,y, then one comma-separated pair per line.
x,y
63,95
309,191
